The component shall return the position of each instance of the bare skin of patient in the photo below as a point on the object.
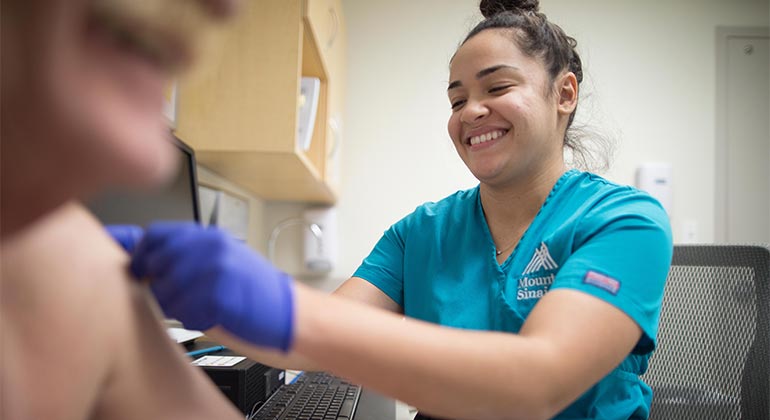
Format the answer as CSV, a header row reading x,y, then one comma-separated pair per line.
x,y
82,93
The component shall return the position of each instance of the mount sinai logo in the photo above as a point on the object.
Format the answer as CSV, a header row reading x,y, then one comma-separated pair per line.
x,y
536,287
540,261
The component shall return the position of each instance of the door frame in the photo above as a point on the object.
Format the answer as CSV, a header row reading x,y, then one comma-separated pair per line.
x,y
723,34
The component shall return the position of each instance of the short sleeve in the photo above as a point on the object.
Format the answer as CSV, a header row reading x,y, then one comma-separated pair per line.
x,y
384,267
622,256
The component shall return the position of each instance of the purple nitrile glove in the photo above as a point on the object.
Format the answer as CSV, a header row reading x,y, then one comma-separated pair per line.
x,y
128,236
204,277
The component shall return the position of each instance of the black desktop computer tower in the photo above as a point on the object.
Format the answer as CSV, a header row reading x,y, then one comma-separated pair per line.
x,y
248,384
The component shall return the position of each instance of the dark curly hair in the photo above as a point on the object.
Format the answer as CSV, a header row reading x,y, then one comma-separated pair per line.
x,y
537,37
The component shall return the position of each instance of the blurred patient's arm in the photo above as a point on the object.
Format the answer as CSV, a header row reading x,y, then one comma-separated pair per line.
x,y
82,336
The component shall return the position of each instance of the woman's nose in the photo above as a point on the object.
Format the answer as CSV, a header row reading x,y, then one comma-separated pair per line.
x,y
473,111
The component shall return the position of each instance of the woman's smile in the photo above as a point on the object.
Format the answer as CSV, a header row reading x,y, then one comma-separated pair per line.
x,y
483,138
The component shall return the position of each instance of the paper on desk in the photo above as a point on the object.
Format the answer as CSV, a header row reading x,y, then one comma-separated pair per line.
x,y
181,335
224,361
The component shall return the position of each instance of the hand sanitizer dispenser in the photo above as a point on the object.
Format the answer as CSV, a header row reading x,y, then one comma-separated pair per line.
x,y
655,179
320,242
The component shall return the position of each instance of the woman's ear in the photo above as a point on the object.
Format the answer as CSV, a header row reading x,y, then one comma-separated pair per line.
x,y
567,89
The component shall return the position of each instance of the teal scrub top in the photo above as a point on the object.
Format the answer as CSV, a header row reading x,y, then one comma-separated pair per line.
x,y
610,241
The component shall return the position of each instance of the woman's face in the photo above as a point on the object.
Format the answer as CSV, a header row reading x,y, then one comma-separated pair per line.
x,y
505,122
83,83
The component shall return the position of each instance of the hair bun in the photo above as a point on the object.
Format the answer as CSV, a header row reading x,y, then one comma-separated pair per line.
x,y
490,8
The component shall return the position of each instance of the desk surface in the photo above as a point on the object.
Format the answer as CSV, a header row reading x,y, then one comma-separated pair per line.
x,y
373,406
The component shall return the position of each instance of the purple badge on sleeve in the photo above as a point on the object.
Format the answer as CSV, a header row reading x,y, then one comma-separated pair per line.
x,y
601,281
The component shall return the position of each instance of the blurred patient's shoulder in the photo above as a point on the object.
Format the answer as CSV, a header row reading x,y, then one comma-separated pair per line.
x,y
83,335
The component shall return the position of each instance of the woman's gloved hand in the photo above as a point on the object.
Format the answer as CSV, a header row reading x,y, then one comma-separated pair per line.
x,y
128,236
204,277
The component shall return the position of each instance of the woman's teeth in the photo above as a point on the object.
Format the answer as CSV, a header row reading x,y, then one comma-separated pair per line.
x,y
486,137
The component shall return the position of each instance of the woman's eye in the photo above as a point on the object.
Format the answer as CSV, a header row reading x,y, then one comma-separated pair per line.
x,y
458,104
499,88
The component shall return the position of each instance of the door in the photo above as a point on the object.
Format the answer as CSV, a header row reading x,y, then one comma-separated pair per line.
x,y
743,136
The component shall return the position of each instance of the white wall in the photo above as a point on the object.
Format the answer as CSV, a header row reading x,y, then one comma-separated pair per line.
x,y
652,75
397,154
650,83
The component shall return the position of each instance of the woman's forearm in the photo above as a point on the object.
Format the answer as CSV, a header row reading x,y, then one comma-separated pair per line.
x,y
444,371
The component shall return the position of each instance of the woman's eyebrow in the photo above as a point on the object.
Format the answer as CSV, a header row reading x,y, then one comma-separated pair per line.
x,y
489,70
483,73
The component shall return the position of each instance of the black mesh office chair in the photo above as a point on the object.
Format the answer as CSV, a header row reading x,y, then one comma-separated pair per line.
x,y
713,359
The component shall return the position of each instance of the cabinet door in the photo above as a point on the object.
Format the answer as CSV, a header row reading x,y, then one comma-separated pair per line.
x,y
326,23
246,102
325,18
336,67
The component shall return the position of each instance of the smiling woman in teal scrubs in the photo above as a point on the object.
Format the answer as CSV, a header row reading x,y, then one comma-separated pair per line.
x,y
534,295
441,265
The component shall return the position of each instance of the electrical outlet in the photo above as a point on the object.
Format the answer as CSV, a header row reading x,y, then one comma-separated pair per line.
x,y
690,231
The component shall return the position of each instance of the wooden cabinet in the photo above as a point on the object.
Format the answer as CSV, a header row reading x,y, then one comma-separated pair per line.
x,y
241,117
326,22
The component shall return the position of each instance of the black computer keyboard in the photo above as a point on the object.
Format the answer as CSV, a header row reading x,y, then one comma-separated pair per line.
x,y
312,396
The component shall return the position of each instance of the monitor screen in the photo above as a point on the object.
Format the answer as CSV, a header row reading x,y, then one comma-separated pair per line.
x,y
175,200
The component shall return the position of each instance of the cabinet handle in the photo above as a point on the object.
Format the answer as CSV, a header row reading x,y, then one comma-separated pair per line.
x,y
335,27
334,127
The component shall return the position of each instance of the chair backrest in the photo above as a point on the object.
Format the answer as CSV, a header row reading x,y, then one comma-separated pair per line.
x,y
713,357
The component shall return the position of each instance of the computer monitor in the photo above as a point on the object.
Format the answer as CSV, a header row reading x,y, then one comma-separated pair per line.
x,y
176,200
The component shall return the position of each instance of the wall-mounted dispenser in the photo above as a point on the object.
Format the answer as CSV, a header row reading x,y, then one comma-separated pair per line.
x,y
319,240
320,254
655,179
